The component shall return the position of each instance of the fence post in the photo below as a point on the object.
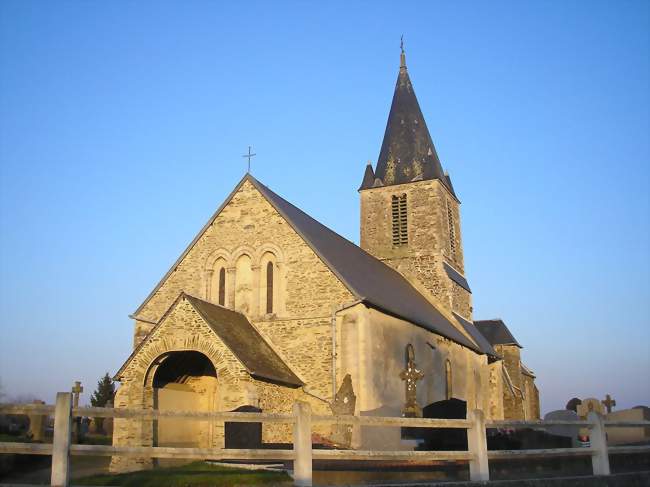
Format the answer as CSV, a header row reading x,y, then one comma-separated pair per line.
x,y
598,441
61,441
302,466
477,446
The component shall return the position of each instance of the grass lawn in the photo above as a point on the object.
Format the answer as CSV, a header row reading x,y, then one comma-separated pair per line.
x,y
197,474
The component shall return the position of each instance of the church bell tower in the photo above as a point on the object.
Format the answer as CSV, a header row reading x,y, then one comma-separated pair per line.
x,y
410,215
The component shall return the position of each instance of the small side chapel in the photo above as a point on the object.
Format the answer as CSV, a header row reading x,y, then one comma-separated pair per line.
x,y
267,306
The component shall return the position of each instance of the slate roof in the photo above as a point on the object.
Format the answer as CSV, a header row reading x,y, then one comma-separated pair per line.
x,y
457,277
368,279
237,333
240,336
477,336
525,370
496,332
407,151
368,177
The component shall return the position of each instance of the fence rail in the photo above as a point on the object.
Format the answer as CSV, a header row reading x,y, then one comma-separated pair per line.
x,y
302,453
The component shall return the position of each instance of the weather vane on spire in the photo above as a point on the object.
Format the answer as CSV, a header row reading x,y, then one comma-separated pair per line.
x,y
401,43
249,156
402,56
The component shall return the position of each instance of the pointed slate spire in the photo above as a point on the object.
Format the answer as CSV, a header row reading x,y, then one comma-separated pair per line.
x,y
368,177
407,152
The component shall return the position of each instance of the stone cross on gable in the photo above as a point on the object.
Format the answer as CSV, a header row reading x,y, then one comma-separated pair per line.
x,y
411,375
76,390
609,403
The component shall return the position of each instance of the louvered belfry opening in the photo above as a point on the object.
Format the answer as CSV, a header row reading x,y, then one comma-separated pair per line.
x,y
400,220
452,229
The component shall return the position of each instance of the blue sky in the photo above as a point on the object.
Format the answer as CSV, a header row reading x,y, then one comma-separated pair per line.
x,y
122,126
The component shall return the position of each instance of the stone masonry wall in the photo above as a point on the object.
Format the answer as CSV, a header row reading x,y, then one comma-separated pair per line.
x,y
308,290
513,407
531,398
429,237
183,329
249,224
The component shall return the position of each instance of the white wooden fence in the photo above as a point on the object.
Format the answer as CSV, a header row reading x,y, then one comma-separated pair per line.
x,y
302,453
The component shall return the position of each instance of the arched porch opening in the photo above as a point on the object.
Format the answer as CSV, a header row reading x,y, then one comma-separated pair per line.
x,y
183,381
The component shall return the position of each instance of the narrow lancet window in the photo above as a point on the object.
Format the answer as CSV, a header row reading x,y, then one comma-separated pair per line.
x,y
222,286
449,392
400,221
269,287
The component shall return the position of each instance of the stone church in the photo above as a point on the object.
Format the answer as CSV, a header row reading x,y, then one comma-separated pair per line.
x,y
267,306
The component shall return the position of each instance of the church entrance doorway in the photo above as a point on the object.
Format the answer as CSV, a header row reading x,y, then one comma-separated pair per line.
x,y
184,381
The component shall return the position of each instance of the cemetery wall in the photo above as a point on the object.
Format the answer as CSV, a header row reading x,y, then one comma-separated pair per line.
x,y
621,436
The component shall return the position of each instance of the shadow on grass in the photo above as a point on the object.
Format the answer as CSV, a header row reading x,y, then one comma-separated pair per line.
x,y
197,474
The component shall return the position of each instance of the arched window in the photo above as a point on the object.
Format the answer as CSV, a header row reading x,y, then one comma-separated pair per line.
x,y
269,287
222,286
449,392
216,288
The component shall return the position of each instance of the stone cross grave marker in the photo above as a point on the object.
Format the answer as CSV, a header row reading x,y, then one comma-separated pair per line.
x,y
609,403
411,375
77,389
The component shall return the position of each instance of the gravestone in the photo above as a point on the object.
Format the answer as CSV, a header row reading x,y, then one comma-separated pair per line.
x,y
107,423
77,435
588,405
94,428
442,438
343,404
85,426
566,431
37,424
243,435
